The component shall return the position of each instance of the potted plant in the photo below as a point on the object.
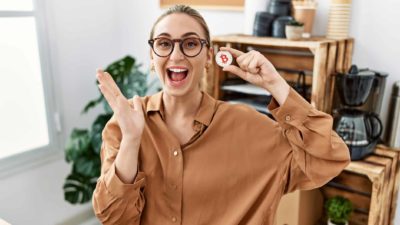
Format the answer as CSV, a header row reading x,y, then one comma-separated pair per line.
x,y
294,30
338,210
83,146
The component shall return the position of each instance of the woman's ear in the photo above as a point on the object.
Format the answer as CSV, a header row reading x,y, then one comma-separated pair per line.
x,y
151,54
210,56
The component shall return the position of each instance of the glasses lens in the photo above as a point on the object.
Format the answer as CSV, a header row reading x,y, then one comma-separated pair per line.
x,y
191,46
163,46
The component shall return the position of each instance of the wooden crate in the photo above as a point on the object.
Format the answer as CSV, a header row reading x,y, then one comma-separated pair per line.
x,y
342,65
394,155
363,184
372,186
318,56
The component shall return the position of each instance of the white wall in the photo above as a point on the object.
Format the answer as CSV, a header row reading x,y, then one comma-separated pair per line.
x,y
85,35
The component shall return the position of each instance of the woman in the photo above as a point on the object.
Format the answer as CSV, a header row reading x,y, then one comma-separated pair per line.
x,y
182,157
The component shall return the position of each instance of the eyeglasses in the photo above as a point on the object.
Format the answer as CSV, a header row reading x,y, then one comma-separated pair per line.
x,y
190,47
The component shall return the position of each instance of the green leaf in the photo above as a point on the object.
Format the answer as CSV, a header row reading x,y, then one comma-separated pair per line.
x,y
338,209
107,107
88,166
78,188
96,132
77,145
120,68
92,104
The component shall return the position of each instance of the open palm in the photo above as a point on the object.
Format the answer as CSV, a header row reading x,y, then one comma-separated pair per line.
x,y
129,115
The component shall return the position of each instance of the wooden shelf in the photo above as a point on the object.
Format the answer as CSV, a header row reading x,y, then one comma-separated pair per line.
x,y
311,43
318,56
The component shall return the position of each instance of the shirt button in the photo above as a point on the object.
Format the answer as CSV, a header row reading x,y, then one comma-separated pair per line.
x,y
175,153
173,219
287,118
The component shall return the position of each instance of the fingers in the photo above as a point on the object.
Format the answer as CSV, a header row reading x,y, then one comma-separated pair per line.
x,y
106,80
235,70
137,104
108,96
253,66
109,89
244,61
236,53
248,62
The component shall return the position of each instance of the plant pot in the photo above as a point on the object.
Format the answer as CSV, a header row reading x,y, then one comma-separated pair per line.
x,y
330,222
294,32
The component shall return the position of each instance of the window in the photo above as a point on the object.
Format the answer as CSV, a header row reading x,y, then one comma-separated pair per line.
x,y
27,113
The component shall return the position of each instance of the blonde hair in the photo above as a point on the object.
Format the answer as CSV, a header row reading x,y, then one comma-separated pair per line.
x,y
188,11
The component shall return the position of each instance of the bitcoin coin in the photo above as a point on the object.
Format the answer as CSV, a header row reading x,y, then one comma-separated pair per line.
x,y
223,58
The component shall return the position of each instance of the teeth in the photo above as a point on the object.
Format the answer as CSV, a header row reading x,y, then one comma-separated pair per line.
x,y
177,70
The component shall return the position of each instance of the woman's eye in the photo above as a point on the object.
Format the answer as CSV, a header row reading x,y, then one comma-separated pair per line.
x,y
164,44
191,44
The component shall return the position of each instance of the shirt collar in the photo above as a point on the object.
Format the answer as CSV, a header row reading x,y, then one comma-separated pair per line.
x,y
204,115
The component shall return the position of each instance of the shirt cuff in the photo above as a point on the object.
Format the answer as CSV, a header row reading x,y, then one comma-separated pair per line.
x,y
119,189
292,112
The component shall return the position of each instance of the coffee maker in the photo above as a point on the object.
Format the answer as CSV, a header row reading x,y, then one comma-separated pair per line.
x,y
356,111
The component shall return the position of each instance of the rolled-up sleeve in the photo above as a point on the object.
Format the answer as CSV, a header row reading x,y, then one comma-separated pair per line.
x,y
316,153
115,202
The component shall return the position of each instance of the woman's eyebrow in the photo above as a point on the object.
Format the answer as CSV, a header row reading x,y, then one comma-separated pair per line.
x,y
189,34
184,35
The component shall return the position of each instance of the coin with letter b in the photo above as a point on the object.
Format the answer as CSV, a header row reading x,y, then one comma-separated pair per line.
x,y
223,58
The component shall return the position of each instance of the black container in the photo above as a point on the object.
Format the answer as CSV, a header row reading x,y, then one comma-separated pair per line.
x,y
279,7
278,26
355,87
359,130
359,152
263,24
374,100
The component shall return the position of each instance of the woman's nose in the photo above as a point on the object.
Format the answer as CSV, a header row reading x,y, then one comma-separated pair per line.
x,y
177,54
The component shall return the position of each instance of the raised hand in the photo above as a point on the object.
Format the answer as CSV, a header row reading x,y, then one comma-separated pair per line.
x,y
130,117
258,70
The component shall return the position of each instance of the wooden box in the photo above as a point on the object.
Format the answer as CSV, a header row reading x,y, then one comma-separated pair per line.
x,y
318,57
372,186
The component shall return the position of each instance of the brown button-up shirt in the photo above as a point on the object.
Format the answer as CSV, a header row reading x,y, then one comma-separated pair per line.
x,y
233,171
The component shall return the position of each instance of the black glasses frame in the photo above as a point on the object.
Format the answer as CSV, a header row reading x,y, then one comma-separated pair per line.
x,y
180,41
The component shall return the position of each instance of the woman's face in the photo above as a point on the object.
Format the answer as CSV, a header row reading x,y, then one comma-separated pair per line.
x,y
178,73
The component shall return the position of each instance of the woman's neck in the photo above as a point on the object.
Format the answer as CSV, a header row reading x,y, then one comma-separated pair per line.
x,y
182,106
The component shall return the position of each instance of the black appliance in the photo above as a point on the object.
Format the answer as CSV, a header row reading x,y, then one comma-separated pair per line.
x,y
356,120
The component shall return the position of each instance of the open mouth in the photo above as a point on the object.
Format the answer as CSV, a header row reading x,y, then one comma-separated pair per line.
x,y
177,76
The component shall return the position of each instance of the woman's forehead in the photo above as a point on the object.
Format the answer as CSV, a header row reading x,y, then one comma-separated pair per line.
x,y
178,25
